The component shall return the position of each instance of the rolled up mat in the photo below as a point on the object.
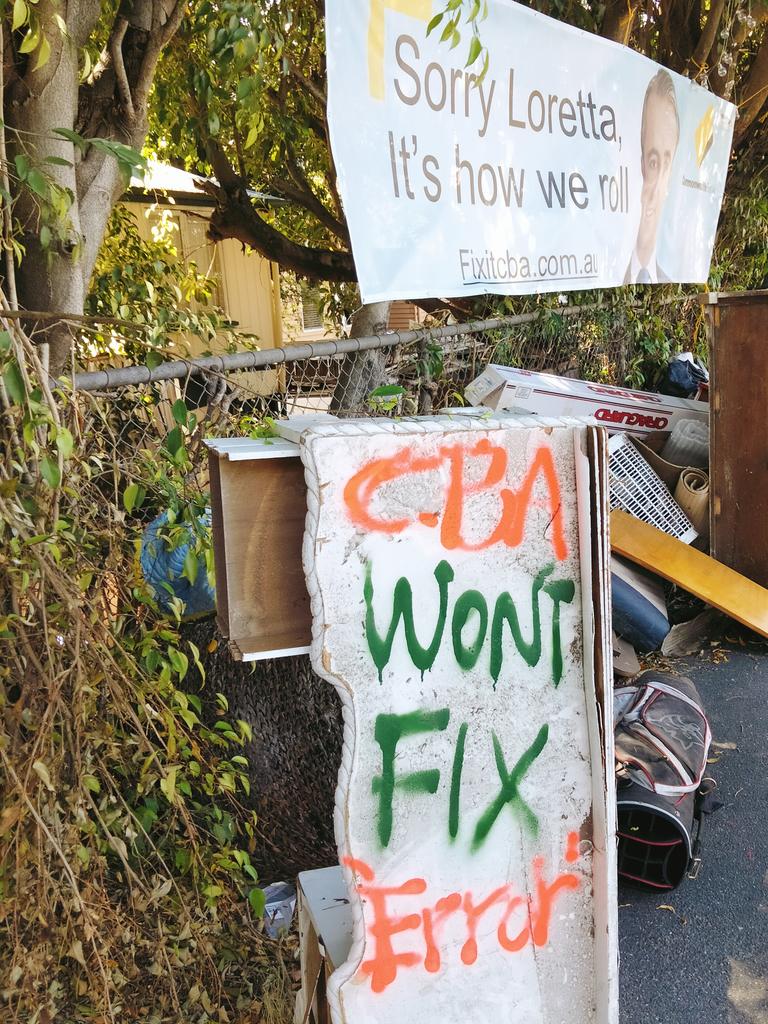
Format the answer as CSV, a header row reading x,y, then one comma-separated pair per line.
x,y
692,495
635,618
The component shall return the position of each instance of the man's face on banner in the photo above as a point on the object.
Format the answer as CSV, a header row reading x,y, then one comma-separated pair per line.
x,y
659,144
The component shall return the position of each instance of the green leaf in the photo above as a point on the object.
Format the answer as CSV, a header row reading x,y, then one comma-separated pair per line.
x,y
179,411
253,134
174,441
20,14
45,236
14,383
30,40
50,471
388,391
38,183
73,137
475,49
450,28
179,661
133,496
257,901
64,441
190,566
22,166
44,55
168,784
5,343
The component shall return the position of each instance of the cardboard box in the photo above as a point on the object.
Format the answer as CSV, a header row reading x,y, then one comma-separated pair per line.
x,y
544,394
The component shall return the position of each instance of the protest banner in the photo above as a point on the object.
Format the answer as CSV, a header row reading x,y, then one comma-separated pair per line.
x,y
573,163
458,585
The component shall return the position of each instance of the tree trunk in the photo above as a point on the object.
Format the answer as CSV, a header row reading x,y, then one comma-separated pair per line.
x,y
49,279
361,372
111,105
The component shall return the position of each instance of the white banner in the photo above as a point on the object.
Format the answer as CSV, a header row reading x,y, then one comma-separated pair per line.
x,y
575,163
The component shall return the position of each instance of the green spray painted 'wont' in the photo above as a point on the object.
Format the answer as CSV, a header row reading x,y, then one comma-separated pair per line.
x,y
470,611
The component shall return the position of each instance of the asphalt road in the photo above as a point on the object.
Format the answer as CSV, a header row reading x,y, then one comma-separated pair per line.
x,y
705,961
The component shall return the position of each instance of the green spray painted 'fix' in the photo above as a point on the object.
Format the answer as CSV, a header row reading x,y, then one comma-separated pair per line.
x,y
390,729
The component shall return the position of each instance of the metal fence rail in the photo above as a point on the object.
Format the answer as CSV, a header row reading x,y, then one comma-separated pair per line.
x,y
104,380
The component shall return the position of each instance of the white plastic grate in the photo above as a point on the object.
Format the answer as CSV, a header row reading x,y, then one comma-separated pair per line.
x,y
635,488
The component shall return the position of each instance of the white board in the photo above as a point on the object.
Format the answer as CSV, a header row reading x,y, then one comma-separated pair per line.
x,y
449,566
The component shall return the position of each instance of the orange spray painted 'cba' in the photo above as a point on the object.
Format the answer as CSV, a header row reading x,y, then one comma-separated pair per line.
x,y
513,504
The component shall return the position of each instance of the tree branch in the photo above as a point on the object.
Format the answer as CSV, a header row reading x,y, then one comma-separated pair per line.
x,y
618,20
312,87
236,217
700,56
310,202
305,195
459,308
116,52
754,93
332,175
156,41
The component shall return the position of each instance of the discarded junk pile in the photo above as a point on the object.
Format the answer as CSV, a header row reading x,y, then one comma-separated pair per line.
x,y
659,459
659,498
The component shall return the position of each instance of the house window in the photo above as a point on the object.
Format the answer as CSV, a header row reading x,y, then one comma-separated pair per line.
x,y
311,310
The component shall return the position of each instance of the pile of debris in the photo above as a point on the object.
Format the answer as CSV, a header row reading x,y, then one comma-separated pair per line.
x,y
659,497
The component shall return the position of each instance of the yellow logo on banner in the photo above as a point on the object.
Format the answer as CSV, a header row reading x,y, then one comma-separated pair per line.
x,y
421,9
705,134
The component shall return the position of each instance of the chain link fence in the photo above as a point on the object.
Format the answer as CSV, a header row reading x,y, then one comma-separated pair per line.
x,y
407,373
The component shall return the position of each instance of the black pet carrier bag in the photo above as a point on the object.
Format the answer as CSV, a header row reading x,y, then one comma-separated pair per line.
x,y
662,742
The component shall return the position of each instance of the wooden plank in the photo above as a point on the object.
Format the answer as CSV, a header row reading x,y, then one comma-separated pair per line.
x,y
700,575
219,545
246,449
310,960
739,399
267,645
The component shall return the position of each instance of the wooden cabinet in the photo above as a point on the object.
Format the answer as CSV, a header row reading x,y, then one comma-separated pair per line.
x,y
259,504
738,431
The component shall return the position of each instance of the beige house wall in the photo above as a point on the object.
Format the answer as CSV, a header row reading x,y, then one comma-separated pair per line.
x,y
247,286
